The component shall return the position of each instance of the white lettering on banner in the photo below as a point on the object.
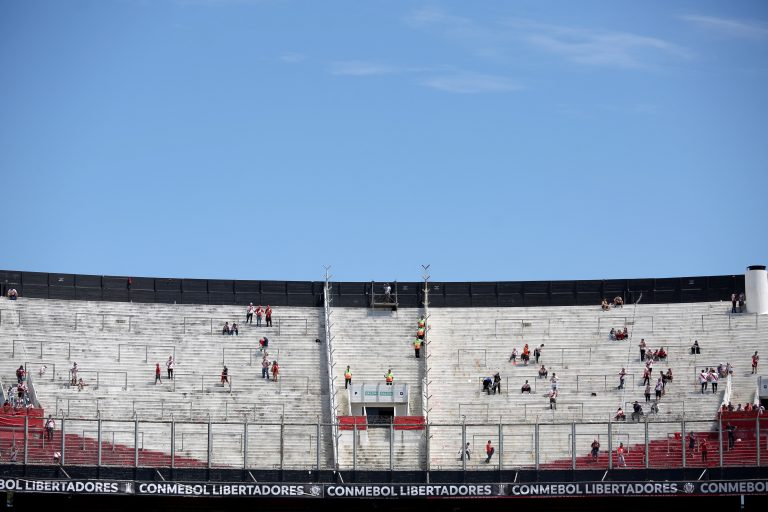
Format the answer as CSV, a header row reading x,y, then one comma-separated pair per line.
x,y
385,491
594,489
66,486
176,489
734,487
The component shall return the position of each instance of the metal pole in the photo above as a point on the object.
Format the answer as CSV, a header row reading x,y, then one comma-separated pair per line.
x,y
536,445
501,446
757,431
210,443
98,437
391,445
682,438
610,444
63,440
720,440
173,444
26,440
354,444
647,455
282,441
573,445
464,444
245,444
317,443
136,443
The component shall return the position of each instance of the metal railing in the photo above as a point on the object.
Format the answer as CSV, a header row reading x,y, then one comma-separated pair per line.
x,y
330,365
582,380
42,343
119,319
125,347
10,313
103,378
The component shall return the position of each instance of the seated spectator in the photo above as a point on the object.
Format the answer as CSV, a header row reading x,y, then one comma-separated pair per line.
x,y
620,416
543,372
233,329
526,388
513,356
20,373
748,407
612,334
655,407
724,408
12,294
662,354
739,409
618,302
553,399
263,344
604,305
668,376
81,384
7,407
637,411
42,370
729,368
695,350
226,329
496,387
730,407
487,381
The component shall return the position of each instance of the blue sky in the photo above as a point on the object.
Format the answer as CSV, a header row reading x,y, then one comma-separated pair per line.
x,y
493,140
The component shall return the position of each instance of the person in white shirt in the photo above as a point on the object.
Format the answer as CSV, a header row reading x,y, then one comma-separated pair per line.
x,y
170,365
703,381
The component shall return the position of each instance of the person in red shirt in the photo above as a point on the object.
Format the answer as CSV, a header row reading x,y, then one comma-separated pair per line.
x,y
275,370
489,451
620,451
268,315
259,312
755,360
225,376
703,449
157,374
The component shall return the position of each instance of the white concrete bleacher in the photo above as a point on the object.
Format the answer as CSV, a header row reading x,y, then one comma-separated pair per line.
x,y
468,344
117,345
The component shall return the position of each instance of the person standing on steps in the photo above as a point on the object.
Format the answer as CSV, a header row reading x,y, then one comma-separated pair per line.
x,y
225,376
731,435
259,312
170,365
389,378
268,315
249,313
537,352
622,375
642,349
465,452
265,367
620,451
595,450
489,451
417,347
347,377
755,360
50,425
275,370
157,374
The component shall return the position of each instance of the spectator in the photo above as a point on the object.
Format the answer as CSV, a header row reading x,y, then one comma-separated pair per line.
x,y
618,302
620,416
226,329
543,372
80,384
526,388
553,380
347,377
128,283
265,368
695,350
604,305
157,374
259,312
730,407
537,352
729,368
387,292
417,347
712,379
50,425
489,450
755,360
739,409
655,407
249,313
466,451
733,303
691,441
234,330
20,374
642,349
620,451
7,408
13,294
422,322
662,354
646,375
731,429
225,375
513,356
647,392
268,315
14,453
595,449
487,382
496,388
275,370
668,376
612,334
389,378
526,355
703,448
42,370
553,399
659,388
748,407
622,374
703,381
263,344
170,365
420,333
73,373
741,302
637,411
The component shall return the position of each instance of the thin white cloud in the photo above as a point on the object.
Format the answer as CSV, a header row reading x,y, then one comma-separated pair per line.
x,y
730,27
471,83
362,68
292,57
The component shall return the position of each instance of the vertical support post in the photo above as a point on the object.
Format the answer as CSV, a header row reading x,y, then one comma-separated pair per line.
x,y
63,440
428,452
317,444
135,443
757,432
354,444
222,355
173,444
501,446
720,440
26,440
464,445
610,444
647,442
391,445
282,442
536,445
98,441
210,443
682,439
573,445
245,443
